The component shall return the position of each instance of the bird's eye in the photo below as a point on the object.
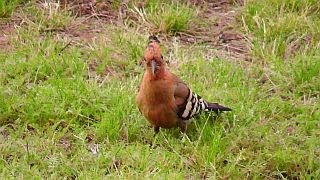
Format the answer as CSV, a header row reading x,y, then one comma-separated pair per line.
x,y
161,57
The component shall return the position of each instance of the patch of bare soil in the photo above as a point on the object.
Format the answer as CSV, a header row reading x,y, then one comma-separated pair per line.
x,y
6,29
4,133
82,31
90,21
94,8
65,142
297,45
220,29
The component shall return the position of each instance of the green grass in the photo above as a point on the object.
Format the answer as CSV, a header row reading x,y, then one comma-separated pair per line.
x,y
8,6
277,25
59,101
164,16
46,17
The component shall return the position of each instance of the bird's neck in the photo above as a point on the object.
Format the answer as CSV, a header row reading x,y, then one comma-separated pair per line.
x,y
159,74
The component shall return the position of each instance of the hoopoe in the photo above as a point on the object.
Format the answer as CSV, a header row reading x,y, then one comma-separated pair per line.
x,y
163,98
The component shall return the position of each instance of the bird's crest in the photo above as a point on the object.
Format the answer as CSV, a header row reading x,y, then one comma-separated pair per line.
x,y
153,38
153,57
153,50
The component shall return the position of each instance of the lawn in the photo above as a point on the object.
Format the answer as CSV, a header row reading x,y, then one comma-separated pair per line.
x,y
69,72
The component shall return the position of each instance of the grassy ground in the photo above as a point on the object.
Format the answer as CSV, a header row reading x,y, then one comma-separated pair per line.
x,y
68,84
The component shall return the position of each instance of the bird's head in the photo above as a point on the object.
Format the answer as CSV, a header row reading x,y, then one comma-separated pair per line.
x,y
152,55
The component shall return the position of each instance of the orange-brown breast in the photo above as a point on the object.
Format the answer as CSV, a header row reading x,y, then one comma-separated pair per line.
x,y
156,101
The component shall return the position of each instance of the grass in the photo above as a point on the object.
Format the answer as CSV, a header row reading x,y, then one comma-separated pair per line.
x,y
8,6
165,16
279,25
69,110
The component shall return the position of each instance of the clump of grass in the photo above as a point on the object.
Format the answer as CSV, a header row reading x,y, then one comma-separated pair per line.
x,y
306,74
8,6
299,77
47,16
169,17
278,24
166,16
121,52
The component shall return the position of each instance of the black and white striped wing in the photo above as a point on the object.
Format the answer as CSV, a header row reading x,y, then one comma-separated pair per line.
x,y
192,106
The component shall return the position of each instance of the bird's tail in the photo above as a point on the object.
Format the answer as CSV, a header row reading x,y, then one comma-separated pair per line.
x,y
216,107
195,104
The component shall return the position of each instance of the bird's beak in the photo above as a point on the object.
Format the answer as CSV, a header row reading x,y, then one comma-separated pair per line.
x,y
153,67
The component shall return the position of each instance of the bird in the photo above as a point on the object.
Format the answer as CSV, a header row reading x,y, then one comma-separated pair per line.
x,y
163,98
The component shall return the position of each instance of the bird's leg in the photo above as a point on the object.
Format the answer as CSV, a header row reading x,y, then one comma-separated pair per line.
x,y
156,129
183,127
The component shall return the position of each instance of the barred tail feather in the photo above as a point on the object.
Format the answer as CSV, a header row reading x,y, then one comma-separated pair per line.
x,y
194,104
216,107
